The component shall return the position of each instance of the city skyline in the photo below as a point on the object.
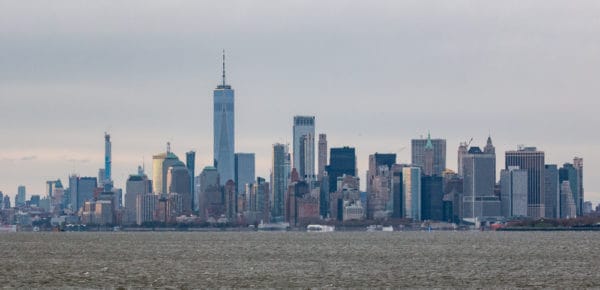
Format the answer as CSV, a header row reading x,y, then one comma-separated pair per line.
x,y
77,99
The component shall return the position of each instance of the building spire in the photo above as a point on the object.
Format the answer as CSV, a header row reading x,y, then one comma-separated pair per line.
x,y
428,145
223,67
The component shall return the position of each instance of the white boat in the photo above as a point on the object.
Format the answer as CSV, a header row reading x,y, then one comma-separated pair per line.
x,y
320,228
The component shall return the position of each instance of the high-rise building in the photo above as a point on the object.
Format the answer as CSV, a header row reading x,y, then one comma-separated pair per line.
x,y
578,164
209,191
322,155
223,129
532,160
82,190
380,200
190,163
513,192
397,190
463,149
304,146
178,181
439,154
107,160
552,191
567,203
432,195
244,171
341,161
411,187
479,173
571,174
377,160
279,180
21,198
137,184
160,165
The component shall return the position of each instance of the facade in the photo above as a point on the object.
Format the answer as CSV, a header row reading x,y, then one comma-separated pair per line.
x,y
479,173
463,148
304,146
146,205
82,190
209,191
578,164
552,191
136,184
21,198
322,155
107,180
178,181
341,161
244,170
397,190
279,180
190,163
532,160
439,154
223,130
567,203
160,165
513,192
432,189
411,187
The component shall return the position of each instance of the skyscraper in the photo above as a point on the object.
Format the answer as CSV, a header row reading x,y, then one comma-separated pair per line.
x,y
578,164
160,165
341,161
190,163
21,196
107,159
223,130
304,145
178,181
244,171
532,160
322,155
513,191
479,172
411,183
418,151
571,174
552,191
137,184
279,177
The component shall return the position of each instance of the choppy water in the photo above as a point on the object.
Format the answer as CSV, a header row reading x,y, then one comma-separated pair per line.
x,y
250,259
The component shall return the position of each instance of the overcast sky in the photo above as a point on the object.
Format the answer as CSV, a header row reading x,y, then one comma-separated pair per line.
x,y
374,73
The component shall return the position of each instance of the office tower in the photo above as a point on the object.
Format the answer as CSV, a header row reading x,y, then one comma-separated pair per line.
x,y
418,147
20,199
190,163
261,190
223,130
411,187
137,184
397,190
453,189
571,174
178,181
532,160
463,149
6,202
101,174
209,192
513,192
244,171
432,195
107,160
85,188
341,161
304,150
279,177
567,203
230,201
578,164
322,155
160,165
2,200
375,161
552,191
34,201
146,205
479,173
379,188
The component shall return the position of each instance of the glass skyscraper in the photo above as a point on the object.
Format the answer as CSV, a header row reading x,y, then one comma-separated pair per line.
x,y
224,142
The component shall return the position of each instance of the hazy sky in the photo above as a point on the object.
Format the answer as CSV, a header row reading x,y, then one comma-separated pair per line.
x,y
374,73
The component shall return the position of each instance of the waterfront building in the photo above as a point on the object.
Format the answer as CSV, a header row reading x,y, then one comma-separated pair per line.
x,y
279,180
567,203
479,172
513,192
532,160
223,129
551,191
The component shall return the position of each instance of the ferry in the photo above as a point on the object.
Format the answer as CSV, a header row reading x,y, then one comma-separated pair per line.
x,y
320,228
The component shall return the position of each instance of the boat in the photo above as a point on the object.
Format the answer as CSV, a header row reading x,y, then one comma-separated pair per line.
x,y
320,228
273,226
